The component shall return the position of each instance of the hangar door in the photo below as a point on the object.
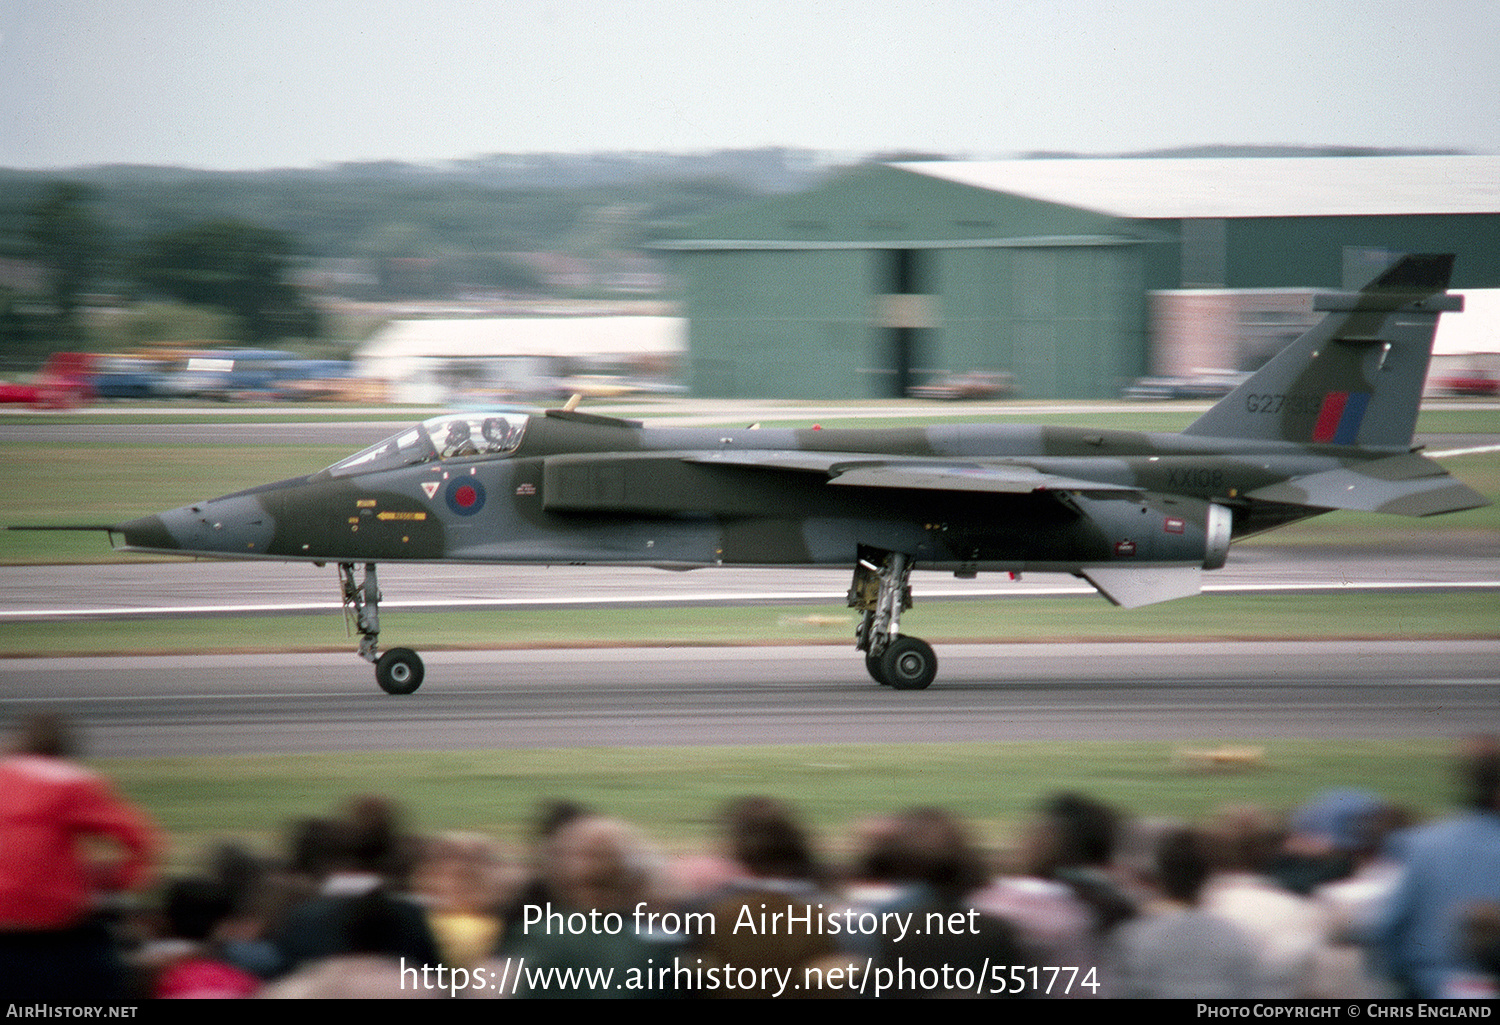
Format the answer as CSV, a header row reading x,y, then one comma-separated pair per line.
x,y
1067,321
780,323
906,319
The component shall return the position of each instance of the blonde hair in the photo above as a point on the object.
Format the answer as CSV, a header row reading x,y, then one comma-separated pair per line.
x,y
598,862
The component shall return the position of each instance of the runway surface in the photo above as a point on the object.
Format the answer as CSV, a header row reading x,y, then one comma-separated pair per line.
x,y
1201,692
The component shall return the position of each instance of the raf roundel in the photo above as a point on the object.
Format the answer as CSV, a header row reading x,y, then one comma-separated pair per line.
x,y
465,496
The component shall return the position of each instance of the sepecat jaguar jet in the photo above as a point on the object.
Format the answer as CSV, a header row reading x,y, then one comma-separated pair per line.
x,y
1327,424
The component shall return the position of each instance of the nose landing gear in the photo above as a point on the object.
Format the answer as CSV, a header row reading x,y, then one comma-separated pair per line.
x,y
399,670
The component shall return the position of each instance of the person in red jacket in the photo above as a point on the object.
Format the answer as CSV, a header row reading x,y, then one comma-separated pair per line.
x,y
53,813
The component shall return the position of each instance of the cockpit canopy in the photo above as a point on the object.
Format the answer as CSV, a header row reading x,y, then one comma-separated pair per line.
x,y
454,436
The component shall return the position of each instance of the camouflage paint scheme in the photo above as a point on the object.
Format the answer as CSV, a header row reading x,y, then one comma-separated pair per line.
x,y
1327,424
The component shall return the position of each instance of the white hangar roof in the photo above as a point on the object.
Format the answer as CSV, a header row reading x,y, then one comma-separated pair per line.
x,y
1169,188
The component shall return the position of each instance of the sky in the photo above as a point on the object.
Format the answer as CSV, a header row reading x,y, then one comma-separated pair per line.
x,y
302,83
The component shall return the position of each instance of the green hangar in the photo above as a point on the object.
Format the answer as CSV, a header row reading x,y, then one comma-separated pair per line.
x,y
893,275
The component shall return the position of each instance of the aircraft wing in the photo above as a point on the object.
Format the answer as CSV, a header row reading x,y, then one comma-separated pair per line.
x,y
1405,485
775,459
859,470
942,476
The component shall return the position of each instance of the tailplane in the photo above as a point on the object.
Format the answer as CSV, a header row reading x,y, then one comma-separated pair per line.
x,y
1356,377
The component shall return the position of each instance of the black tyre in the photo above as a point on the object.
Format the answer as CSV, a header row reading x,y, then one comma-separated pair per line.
x,y
872,664
399,671
909,664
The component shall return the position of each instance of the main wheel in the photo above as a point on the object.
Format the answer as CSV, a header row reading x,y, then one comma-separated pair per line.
x,y
909,664
399,671
872,664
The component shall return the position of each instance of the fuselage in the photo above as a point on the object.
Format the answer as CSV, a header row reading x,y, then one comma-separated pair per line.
x,y
571,488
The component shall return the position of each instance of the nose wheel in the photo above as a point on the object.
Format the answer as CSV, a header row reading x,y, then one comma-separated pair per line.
x,y
399,670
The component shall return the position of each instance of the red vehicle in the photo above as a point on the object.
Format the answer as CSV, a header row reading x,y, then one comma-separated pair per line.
x,y
62,384
1471,383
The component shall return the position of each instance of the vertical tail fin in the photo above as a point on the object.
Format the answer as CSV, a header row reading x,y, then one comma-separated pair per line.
x,y
1356,377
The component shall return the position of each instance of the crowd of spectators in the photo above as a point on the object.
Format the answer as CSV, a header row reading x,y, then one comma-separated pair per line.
x,y
1344,897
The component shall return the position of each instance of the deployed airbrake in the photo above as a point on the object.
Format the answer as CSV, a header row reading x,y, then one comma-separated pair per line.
x,y
1327,424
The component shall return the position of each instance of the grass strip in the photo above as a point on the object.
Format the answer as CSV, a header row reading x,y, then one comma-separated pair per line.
x,y
1080,618
673,793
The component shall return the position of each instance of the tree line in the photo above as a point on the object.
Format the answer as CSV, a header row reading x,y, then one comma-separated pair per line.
x,y
240,243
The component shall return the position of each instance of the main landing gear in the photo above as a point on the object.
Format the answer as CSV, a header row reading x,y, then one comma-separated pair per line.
x,y
882,591
399,670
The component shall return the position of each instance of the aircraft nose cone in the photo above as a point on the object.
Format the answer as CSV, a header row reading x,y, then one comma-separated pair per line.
x,y
148,532
229,526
